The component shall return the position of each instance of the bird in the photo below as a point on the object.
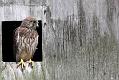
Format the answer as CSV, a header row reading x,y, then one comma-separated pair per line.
x,y
26,41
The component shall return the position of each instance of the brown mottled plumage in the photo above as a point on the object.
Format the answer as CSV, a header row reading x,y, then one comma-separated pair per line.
x,y
26,39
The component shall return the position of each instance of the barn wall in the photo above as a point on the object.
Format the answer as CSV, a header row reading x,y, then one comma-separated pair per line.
x,y
80,41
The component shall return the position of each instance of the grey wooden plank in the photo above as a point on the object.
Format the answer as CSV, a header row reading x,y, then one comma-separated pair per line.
x,y
36,11
1,3
19,12
1,13
8,12
11,72
22,2
34,2
8,2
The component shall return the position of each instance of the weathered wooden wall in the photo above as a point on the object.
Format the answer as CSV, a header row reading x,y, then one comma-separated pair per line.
x,y
79,42
81,39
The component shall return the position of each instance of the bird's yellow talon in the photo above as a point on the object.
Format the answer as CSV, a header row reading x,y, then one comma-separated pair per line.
x,y
22,64
31,63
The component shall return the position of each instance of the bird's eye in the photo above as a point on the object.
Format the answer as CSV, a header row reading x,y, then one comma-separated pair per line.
x,y
34,21
30,21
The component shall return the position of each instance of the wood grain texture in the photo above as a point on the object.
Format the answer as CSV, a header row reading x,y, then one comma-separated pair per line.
x,y
79,42
82,45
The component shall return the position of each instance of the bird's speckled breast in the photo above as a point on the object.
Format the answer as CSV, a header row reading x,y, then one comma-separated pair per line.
x,y
25,55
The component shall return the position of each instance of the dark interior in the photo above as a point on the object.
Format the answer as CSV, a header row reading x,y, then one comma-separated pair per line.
x,y
8,28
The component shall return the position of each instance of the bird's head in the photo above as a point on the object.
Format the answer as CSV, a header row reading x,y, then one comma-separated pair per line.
x,y
30,22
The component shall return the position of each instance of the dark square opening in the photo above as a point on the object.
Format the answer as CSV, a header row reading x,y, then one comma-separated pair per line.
x,y
8,28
